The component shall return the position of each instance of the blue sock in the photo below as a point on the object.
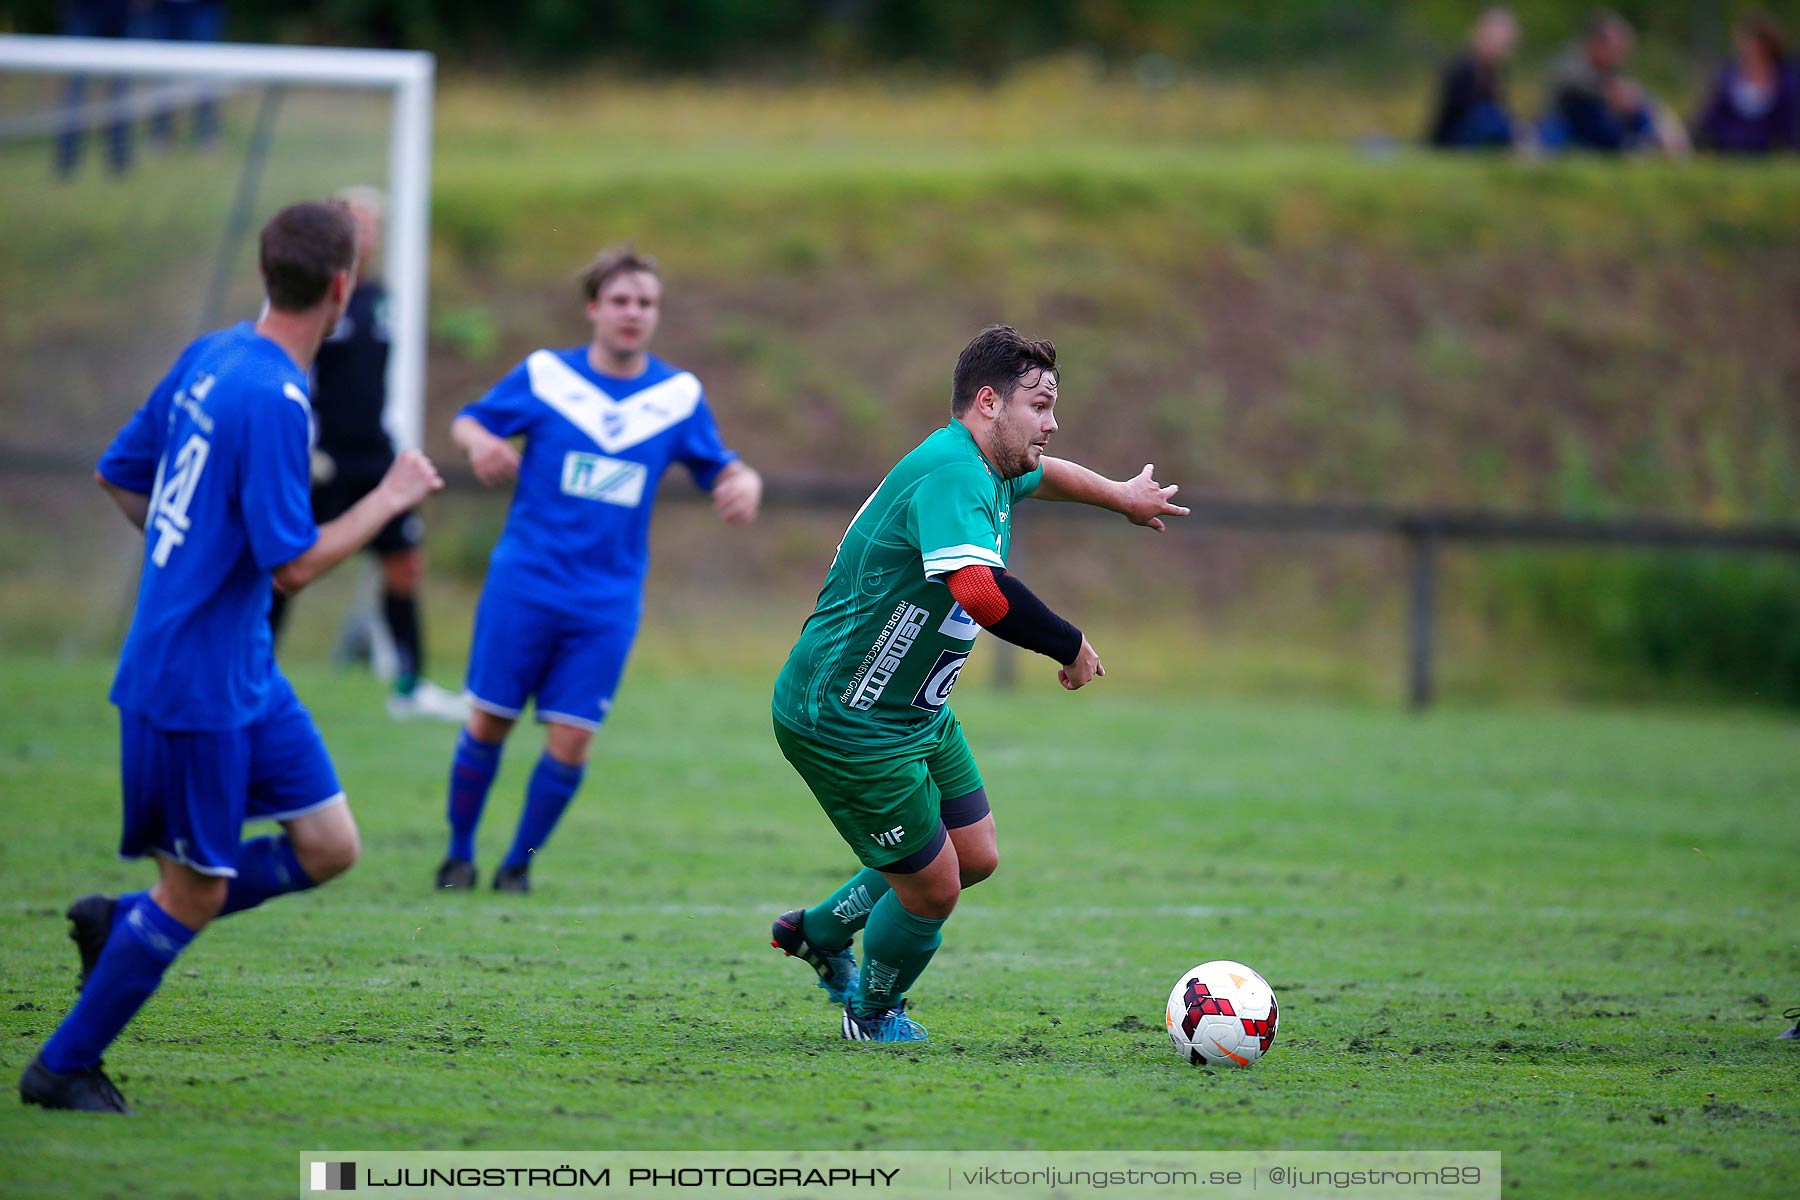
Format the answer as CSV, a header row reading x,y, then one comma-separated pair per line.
x,y
552,786
266,868
472,773
140,949
126,903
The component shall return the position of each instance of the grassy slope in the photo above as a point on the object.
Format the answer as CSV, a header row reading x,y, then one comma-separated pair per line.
x,y
1232,283
1559,935
1238,293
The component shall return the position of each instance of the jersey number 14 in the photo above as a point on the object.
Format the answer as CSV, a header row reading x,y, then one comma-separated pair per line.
x,y
169,511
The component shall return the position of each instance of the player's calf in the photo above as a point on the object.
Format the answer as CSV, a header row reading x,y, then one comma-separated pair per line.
x,y
326,842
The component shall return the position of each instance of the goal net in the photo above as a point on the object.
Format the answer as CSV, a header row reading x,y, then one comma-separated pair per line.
x,y
134,177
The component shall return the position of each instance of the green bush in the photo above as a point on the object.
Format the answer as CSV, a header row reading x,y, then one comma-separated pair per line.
x,y
1721,623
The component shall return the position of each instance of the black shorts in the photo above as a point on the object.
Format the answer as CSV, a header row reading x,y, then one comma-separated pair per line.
x,y
333,499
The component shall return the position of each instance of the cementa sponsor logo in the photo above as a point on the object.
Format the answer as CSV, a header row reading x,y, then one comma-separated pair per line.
x,y
884,658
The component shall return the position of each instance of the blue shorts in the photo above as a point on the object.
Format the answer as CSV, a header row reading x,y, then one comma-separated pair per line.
x,y
189,792
571,665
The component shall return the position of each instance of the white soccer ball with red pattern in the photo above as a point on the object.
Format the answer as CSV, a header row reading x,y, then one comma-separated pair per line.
x,y
1222,1014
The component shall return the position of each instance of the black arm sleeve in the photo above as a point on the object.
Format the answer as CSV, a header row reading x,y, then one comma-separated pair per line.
x,y
1031,625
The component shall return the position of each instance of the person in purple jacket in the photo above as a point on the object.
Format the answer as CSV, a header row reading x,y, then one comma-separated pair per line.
x,y
1754,104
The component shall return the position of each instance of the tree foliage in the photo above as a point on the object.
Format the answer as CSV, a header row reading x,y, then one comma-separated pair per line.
x,y
801,36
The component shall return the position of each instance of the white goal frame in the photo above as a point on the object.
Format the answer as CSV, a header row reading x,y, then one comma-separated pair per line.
x,y
409,75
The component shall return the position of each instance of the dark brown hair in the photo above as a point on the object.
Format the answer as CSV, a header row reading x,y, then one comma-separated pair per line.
x,y
999,357
302,247
611,262
1603,22
1768,36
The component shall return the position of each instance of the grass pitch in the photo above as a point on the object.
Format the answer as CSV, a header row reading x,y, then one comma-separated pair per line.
x,y
1561,935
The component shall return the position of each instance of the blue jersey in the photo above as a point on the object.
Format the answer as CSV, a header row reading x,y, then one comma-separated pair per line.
x,y
220,447
577,536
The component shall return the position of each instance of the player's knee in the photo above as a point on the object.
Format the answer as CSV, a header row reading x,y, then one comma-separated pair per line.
x,y
336,857
485,727
568,744
937,899
202,906
975,868
331,857
209,897
402,572
192,898
326,849
940,905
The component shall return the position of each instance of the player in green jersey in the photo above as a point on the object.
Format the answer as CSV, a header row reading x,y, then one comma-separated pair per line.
x,y
860,707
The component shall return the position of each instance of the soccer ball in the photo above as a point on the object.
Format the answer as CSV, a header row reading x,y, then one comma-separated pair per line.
x,y
1221,1014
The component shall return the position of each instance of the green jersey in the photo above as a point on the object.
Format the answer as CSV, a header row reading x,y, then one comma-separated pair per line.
x,y
876,660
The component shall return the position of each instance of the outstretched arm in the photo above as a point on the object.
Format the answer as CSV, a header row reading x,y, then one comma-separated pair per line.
x,y
407,482
1140,499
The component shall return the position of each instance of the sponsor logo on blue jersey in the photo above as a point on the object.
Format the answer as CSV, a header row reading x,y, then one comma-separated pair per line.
x,y
609,480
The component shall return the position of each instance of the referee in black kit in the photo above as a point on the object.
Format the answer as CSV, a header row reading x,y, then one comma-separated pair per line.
x,y
351,452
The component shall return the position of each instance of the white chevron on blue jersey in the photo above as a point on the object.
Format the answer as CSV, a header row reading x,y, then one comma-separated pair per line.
x,y
613,424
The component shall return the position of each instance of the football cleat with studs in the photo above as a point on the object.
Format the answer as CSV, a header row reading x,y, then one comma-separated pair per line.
x,y
456,875
837,969
888,1025
84,1090
90,924
512,879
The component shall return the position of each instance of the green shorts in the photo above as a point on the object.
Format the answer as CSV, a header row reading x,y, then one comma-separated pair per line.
x,y
885,807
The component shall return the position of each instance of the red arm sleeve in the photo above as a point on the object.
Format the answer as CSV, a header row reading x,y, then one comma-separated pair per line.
x,y
976,589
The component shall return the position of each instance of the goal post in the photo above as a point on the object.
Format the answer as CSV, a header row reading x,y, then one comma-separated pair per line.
x,y
407,76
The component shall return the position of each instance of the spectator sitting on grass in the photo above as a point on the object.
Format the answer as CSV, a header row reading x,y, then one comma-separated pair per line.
x,y
1592,105
1754,105
1471,109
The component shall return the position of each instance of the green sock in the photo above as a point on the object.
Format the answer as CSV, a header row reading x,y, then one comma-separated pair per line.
x,y
896,947
831,925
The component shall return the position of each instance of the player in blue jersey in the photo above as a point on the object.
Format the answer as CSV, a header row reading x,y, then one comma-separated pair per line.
x,y
214,469
352,450
564,589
